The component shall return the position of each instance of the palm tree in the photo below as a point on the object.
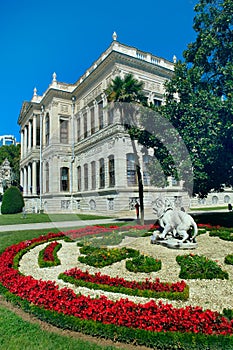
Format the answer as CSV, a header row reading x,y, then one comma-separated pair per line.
x,y
129,94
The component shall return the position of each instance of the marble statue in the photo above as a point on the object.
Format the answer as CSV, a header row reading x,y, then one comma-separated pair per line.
x,y
176,226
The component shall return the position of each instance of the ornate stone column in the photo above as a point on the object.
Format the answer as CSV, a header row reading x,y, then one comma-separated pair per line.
x,y
34,189
34,131
22,144
25,181
29,179
29,135
25,140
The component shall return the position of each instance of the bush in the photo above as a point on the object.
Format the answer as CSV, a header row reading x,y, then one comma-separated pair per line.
x,y
12,201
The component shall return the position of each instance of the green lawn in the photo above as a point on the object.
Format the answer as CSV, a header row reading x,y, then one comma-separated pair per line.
x,y
17,334
14,219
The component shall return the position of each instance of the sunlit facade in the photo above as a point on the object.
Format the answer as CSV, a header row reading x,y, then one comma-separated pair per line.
x,y
75,155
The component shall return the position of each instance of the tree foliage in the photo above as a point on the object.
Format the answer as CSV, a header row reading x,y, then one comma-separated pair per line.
x,y
12,153
12,201
199,100
127,94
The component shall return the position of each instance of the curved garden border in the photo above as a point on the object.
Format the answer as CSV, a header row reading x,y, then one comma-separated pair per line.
x,y
147,324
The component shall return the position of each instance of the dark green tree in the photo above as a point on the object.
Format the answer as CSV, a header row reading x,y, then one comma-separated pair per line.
x,y
128,95
12,201
199,97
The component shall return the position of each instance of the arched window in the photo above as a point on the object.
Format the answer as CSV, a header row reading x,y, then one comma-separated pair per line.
x,y
47,129
101,114
47,177
214,200
79,178
85,177
111,171
102,173
85,125
227,199
146,176
92,204
64,183
64,132
131,169
93,175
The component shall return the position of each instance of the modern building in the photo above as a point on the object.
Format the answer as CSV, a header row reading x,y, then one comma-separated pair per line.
x,y
6,140
75,154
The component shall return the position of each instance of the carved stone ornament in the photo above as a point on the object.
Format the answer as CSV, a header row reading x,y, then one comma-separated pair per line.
x,y
176,227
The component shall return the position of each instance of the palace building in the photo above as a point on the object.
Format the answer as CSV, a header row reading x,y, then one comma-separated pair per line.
x,y
75,154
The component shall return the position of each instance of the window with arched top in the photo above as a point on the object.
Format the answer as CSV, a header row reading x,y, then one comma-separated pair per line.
x,y
111,171
79,178
102,173
64,130
47,177
214,200
227,199
47,129
93,175
64,179
146,175
85,177
131,169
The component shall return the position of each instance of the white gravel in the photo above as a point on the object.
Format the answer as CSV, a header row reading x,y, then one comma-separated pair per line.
x,y
210,294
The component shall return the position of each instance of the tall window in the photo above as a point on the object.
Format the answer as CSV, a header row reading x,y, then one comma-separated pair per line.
x,y
101,115
146,176
64,179
85,177
131,170
85,124
64,131
111,170
79,178
93,175
92,121
102,173
78,129
47,127
47,177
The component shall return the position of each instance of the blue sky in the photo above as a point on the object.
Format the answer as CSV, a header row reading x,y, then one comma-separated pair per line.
x,y
40,37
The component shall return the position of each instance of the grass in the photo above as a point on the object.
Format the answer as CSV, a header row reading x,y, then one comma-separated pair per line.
x,y
17,334
12,328
14,219
221,219
208,208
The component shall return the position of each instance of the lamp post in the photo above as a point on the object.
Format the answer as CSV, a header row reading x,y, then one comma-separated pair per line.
x,y
73,99
41,134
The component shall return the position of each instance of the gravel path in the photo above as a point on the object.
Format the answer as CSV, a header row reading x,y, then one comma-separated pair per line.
x,y
210,294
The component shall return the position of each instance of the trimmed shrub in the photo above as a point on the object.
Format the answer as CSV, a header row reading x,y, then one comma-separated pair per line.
x,y
12,201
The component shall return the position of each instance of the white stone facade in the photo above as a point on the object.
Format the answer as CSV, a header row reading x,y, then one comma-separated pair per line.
x,y
73,154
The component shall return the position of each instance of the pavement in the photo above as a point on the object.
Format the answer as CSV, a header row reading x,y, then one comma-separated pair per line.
x,y
59,225
80,223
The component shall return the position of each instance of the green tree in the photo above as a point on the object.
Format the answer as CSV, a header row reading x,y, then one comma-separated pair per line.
x,y
199,97
12,153
12,201
128,96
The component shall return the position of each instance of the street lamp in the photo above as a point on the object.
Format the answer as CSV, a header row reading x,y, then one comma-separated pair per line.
x,y
41,134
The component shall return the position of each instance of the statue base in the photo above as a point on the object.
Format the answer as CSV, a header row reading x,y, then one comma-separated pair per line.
x,y
172,242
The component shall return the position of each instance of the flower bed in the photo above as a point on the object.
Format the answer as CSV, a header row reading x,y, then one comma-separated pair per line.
x,y
48,256
143,263
149,289
100,257
195,266
151,324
